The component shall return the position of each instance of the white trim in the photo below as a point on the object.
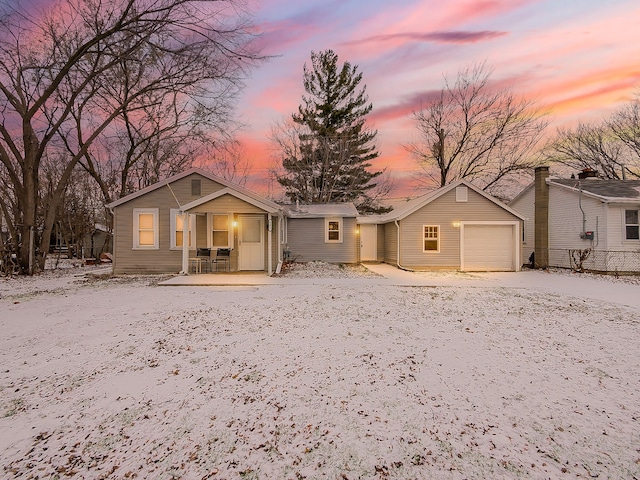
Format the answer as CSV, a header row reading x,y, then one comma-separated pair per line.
x,y
403,211
269,244
136,228
625,224
516,239
327,221
438,238
231,186
265,205
174,213
210,216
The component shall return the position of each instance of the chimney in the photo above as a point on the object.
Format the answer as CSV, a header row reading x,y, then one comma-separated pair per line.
x,y
587,173
541,218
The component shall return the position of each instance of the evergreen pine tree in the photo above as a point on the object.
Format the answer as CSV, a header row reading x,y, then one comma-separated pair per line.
x,y
335,148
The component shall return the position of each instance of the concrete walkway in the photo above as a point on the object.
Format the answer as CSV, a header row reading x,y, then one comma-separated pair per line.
x,y
581,286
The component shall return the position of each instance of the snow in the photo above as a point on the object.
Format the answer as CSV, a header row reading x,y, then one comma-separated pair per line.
x,y
325,372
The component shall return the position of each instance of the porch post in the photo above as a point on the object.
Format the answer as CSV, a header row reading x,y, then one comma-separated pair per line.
x,y
269,244
185,243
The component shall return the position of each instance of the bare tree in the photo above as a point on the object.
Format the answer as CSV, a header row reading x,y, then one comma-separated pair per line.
x,y
228,160
625,125
70,74
475,131
588,146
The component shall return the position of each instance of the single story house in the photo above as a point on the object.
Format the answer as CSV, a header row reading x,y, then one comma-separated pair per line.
x,y
181,223
458,226
184,223
581,223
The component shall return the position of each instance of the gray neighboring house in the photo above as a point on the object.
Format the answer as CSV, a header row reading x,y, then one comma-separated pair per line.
x,y
458,226
321,232
582,222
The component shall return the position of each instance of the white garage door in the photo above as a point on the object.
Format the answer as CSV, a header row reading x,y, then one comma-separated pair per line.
x,y
488,248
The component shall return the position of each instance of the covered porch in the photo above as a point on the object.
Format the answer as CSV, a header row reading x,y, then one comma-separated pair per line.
x,y
229,232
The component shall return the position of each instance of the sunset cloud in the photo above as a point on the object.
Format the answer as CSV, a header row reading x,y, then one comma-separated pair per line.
x,y
436,37
577,63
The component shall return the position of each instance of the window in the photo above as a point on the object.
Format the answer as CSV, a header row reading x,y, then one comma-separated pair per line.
x,y
431,238
333,229
632,226
145,228
219,231
177,229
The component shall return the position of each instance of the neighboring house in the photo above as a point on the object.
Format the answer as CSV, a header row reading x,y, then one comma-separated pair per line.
x,y
97,242
457,226
159,229
165,227
321,232
581,223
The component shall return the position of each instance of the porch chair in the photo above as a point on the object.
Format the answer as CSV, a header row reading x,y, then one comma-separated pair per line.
x,y
223,256
204,254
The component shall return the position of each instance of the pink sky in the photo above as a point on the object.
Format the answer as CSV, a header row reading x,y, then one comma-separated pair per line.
x,y
579,58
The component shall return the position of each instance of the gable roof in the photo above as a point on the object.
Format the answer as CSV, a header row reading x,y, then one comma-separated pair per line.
x,y
237,188
321,210
263,204
624,191
405,209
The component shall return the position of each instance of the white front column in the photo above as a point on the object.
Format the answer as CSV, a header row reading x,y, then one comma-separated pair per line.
x,y
185,243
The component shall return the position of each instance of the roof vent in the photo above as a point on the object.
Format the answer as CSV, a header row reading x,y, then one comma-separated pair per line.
x,y
587,173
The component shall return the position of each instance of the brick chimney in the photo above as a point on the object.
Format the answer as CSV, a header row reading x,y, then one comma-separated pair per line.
x,y
541,216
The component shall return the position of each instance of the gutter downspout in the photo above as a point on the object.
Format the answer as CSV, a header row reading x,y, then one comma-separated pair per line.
x,y
398,249
584,217
280,227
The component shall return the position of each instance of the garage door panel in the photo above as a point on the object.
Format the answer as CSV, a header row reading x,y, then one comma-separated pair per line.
x,y
489,248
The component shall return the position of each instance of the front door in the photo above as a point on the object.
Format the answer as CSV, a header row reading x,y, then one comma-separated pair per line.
x,y
368,243
250,242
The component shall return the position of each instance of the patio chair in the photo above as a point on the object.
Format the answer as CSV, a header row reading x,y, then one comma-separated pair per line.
x,y
204,254
223,257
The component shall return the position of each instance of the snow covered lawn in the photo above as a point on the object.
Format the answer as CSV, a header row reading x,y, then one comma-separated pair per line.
x,y
105,377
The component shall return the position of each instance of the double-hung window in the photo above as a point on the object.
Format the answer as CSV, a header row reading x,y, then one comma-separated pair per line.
x,y
631,225
219,230
177,229
333,230
145,229
431,238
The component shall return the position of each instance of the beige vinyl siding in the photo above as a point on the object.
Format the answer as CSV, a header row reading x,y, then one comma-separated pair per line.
x,y
525,205
380,243
306,241
227,203
444,211
163,260
275,252
390,243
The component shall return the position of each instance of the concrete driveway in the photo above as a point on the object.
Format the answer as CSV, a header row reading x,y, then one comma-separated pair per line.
x,y
579,285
